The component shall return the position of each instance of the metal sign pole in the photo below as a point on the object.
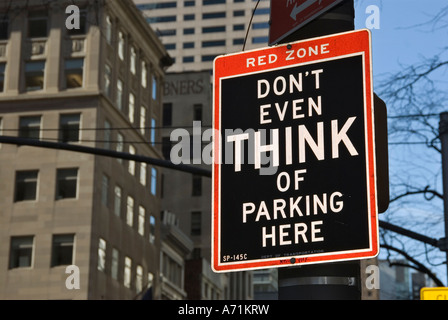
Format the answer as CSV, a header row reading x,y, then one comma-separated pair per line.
x,y
329,281
443,132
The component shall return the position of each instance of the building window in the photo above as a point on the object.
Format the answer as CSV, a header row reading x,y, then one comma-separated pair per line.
x,y
153,131
117,201
143,173
141,220
1,129
120,145
197,112
62,250
154,88
131,164
142,119
26,185
130,211
144,75
161,19
107,134
238,13
108,30
213,43
21,252
69,127
153,181
127,272
238,27
2,76
157,5
121,45
196,186
188,31
209,2
213,15
114,264
208,58
238,41
139,279
29,127
196,223
66,183
167,114
74,73
260,25
133,61
102,255
131,108
38,24
152,229
34,75
4,27
172,270
107,80
256,40
188,59
214,29
166,33
119,94
105,190
188,17
261,11
188,45
190,3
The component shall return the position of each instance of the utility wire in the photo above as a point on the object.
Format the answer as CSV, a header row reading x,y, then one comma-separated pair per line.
x,y
250,24
105,152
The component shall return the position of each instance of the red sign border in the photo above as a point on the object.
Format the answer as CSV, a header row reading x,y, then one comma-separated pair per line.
x,y
340,45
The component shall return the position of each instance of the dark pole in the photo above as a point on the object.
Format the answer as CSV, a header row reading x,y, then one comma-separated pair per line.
x,y
443,135
328,281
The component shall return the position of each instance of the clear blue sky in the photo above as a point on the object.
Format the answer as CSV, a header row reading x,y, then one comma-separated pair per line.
x,y
406,37
401,38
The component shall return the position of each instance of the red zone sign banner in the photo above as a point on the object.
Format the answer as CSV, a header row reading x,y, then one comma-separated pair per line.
x,y
294,177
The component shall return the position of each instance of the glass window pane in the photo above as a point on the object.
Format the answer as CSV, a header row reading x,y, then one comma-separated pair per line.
x,y
29,127
38,24
2,76
114,264
34,75
153,181
127,272
4,30
105,190
130,211
117,201
26,185
69,127
74,73
102,255
66,184
62,250
21,252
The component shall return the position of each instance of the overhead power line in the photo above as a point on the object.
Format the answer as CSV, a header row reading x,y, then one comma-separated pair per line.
x,y
441,243
104,152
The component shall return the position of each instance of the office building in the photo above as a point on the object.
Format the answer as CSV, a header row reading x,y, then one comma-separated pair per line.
x,y
95,84
195,31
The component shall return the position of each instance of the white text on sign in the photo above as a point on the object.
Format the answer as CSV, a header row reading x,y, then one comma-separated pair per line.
x,y
290,55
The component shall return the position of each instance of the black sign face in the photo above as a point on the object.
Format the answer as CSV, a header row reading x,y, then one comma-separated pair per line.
x,y
295,183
